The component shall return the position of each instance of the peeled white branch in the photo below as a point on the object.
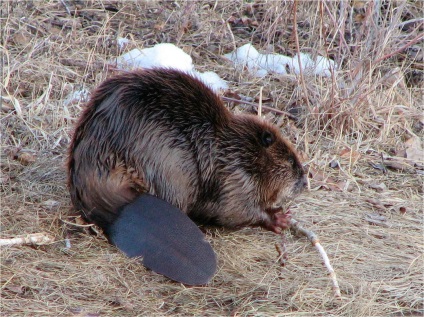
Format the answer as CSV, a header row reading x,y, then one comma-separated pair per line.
x,y
32,238
298,229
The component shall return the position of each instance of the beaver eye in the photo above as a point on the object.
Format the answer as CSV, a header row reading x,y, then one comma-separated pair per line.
x,y
292,161
267,138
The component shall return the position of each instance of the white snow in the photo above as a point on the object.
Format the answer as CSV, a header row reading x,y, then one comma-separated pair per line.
x,y
324,66
260,65
213,80
160,55
275,63
168,55
307,63
245,55
122,42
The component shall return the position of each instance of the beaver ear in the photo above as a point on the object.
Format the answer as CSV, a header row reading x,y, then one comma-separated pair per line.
x,y
267,138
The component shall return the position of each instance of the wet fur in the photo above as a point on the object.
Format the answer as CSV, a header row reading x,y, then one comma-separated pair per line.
x,y
166,133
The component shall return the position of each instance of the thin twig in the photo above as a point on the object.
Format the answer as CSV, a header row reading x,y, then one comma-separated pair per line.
x,y
313,238
77,225
410,43
66,7
410,21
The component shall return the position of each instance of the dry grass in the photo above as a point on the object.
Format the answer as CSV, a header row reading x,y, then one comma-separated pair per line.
x,y
371,107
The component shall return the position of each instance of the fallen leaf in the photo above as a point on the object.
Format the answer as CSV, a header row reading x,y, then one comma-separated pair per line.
x,y
376,203
11,101
414,150
119,302
80,312
17,289
378,187
4,178
380,167
50,203
231,19
26,158
415,154
80,221
21,38
377,219
264,99
396,164
350,154
159,26
334,164
359,4
413,142
232,94
400,153
326,181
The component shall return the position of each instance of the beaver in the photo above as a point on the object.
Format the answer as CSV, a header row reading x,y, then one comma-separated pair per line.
x,y
155,149
165,133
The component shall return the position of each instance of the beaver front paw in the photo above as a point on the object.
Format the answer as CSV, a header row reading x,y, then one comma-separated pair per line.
x,y
279,221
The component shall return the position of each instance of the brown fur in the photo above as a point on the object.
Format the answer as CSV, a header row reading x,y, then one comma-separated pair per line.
x,y
164,132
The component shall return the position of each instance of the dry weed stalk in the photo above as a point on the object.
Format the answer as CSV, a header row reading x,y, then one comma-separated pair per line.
x,y
299,59
277,111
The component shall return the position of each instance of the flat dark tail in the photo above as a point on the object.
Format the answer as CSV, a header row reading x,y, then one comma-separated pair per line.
x,y
167,240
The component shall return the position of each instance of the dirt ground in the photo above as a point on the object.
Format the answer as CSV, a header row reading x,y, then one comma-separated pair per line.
x,y
359,132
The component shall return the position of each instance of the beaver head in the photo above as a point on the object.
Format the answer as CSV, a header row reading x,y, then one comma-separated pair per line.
x,y
258,173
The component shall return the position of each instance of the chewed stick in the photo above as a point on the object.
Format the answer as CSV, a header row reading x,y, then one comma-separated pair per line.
x,y
298,229
32,238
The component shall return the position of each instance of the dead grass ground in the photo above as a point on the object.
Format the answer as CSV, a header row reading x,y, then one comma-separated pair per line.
x,y
372,228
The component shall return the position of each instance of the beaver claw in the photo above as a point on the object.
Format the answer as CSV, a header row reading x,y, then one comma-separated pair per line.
x,y
279,221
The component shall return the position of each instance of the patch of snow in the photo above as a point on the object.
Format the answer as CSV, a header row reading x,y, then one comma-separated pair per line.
x,y
122,42
213,80
260,65
274,63
307,63
245,55
167,55
161,55
324,66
